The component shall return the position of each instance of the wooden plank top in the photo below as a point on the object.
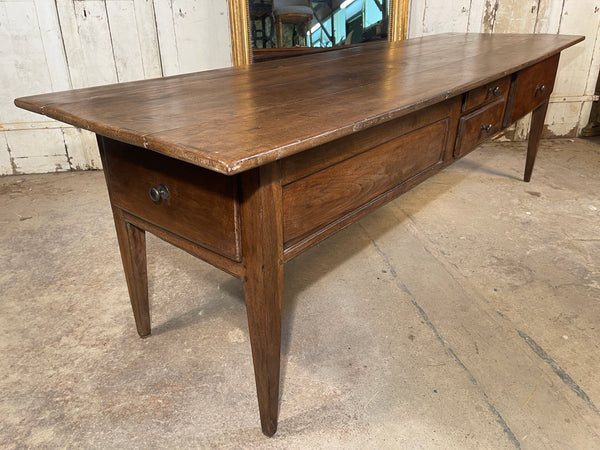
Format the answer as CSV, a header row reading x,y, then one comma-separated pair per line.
x,y
231,120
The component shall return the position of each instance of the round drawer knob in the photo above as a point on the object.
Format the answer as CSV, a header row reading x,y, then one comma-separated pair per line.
x,y
160,192
540,88
487,128
495,91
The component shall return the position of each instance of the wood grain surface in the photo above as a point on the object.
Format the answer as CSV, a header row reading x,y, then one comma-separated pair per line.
x,y
486,94
525,94
325,196
201,206
478,126
231,120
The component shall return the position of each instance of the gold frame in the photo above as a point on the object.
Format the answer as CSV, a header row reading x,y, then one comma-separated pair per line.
x,y
239,22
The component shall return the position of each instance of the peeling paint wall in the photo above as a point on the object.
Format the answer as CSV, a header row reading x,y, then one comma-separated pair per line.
x,y
63,44
57,45
571,101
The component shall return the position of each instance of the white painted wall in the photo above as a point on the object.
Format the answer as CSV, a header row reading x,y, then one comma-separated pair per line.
x,y
571,100
48,45
56,45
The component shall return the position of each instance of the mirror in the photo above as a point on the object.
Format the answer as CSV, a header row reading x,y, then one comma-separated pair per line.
x,y
273,29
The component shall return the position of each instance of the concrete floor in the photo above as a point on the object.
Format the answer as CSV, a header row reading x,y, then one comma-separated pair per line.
x,y
465,314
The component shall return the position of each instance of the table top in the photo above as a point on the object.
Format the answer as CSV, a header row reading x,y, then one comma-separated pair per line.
x,y
234,119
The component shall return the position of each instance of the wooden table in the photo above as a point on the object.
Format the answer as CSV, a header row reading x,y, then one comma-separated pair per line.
x,y
247,167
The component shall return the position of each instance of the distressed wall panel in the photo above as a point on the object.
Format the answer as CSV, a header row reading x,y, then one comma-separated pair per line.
x,y
134,39
31,60
578,70
166,37
125,45
81,148
20,35
193,35
516,16
475,17
145,21
51,38
35,151
426,16
88,42
50,46
5,163
549,16
63,44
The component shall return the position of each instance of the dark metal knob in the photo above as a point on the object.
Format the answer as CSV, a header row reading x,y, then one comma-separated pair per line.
x,y
487,128
541,88
495,91
156,193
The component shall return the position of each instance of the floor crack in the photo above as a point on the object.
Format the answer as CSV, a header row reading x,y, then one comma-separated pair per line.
x,y
497,416
564,376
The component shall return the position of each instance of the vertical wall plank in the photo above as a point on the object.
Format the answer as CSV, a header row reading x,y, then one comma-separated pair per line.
x,y
204,40
51,37
88,42
416,18
148,37
126,49
433,16
578,69
80,43
5,164
454,16
33,61
549,16
73,49
82,149
165,27
97,42
202,33
476,17
19,75
516,16
579,18
134,39
488,18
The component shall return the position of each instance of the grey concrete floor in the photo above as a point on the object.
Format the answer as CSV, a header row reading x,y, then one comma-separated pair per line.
x,y
464,314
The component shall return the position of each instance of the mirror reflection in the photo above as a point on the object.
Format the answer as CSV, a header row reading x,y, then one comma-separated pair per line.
x,y
280,24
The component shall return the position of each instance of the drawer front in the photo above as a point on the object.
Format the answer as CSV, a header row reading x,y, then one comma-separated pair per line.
x,y
531,87
476,127
319,158
338,191
200,206
486,94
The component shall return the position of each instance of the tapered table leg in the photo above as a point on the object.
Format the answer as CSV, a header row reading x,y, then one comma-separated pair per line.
x,y
132,243
262,249
535,133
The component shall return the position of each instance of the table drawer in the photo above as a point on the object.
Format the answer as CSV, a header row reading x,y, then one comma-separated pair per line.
x,y
339,191
531,87
200,205
486,94
477,126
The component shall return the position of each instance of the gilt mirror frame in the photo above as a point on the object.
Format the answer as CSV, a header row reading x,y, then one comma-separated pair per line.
x,y
239,21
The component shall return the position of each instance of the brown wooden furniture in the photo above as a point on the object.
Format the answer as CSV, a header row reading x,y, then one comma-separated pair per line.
x,y
246,177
